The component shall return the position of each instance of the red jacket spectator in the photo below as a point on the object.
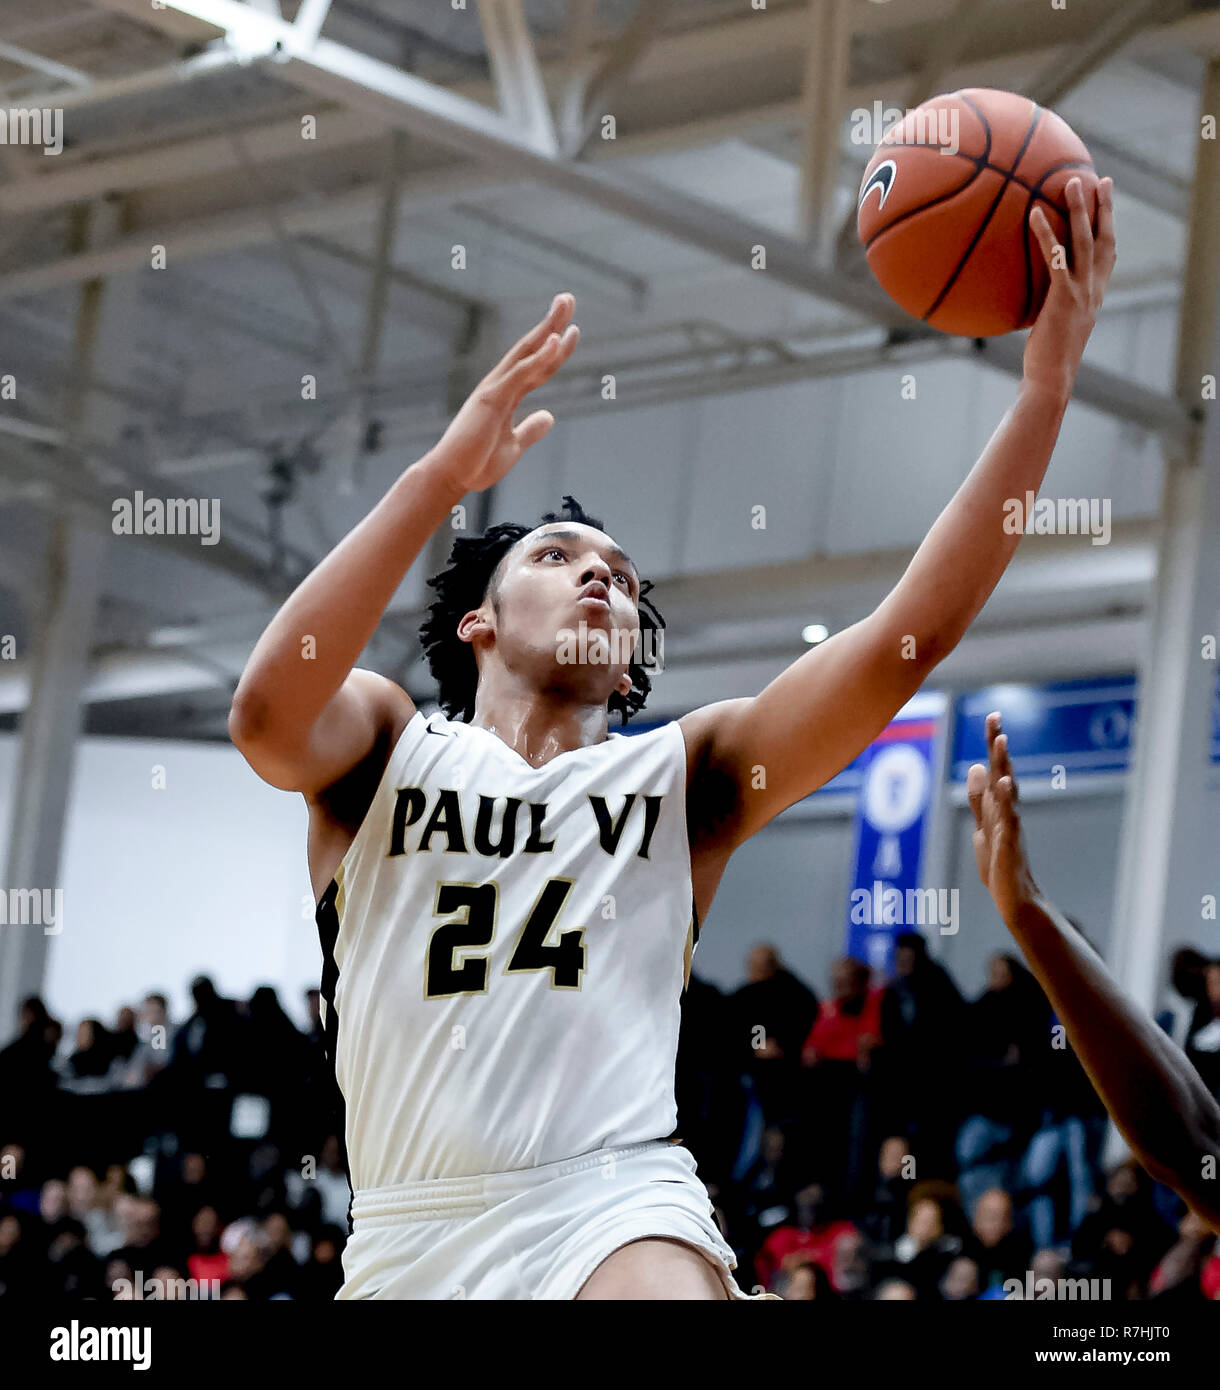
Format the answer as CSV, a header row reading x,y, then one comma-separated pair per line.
x,y
816,1245
836,1035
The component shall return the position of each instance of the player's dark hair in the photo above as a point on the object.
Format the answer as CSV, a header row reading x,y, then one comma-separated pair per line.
x,y
464,585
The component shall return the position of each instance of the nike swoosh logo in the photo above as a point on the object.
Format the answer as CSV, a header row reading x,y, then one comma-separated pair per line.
x,y
882,177
438,732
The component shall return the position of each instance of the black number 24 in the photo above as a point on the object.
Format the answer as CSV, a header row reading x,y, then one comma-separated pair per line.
x,y
443,979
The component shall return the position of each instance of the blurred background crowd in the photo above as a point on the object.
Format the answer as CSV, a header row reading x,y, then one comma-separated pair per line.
x,y
885,1140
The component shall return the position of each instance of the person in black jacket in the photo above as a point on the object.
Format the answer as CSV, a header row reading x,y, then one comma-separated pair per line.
x,y
1007,1028
922,1014
774,1013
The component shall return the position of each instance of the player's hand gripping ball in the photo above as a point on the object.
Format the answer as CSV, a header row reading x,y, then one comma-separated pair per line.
x,y
944,207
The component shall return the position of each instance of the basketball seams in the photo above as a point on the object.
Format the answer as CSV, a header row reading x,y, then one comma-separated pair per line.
x,y
991,211
981,165
923,207
982,115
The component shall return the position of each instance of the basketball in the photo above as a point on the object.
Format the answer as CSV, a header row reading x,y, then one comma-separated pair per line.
x,y
943,211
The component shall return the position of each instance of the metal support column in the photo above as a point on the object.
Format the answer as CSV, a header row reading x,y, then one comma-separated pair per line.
x,y
1170,848
71,584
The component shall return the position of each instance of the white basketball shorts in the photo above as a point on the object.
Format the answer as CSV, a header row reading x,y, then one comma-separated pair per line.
x,y
536,1233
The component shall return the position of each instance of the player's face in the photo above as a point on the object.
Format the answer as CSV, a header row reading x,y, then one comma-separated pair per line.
x,y
567,606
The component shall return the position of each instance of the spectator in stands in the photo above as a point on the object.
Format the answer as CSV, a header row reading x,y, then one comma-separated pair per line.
x,y
895,1290
333,1185
813,1236
154,1041
1188,976
1203,1043
1007,1029
960,1282
1123,1237
848,1025
837,1053
922,1024
207,1260
707,1080
280,1275
124,1040
774,1012
1177,1277
208,1043
925,1250
1000,1251
767,1189
18,1261
94,1209
26,1073
850,1270
52,1209
322,1275
94,1051
804,1283
315,1032
243,1244
884,1217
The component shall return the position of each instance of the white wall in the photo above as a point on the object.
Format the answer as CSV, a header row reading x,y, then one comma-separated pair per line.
x,y
207,875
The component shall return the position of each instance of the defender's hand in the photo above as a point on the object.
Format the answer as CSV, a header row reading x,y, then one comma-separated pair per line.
x,y
482,443
999,849
1057,341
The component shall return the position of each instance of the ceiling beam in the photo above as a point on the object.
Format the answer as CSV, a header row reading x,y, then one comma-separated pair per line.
x,y
827,60
1081,59
516,73
595,81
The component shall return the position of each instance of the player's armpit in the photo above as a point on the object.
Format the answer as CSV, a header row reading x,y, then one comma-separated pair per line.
x,y
806,726
365,710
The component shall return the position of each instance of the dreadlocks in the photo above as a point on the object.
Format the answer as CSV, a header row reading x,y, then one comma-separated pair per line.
x,y
463,586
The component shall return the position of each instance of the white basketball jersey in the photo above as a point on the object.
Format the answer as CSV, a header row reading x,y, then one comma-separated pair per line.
x,y
505,951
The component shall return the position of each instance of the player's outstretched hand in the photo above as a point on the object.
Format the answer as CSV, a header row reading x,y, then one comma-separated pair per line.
x,y
482,443
1057,340
999,848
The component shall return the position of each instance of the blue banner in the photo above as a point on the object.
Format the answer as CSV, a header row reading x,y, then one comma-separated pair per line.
x,y
892,810
1081,726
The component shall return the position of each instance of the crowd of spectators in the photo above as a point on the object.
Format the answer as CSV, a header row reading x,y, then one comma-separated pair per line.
x,y
895,1140
889,1141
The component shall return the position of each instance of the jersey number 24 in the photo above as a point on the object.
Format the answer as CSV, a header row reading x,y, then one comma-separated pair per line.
x,y
444,978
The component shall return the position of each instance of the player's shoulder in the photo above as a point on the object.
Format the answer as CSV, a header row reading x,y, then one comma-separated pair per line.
x,y
386,698
703,726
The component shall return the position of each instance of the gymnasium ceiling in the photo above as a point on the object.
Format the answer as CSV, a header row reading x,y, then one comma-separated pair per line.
x,y
331,256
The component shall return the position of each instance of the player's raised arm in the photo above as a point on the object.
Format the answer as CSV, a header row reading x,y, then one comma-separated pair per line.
x,y
1147,1083
832,702
303,724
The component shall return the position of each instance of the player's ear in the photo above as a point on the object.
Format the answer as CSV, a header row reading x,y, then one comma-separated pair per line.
x,y
624,685
473,624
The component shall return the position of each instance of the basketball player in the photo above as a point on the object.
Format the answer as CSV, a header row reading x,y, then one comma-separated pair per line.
x,y
1152,1091
509,893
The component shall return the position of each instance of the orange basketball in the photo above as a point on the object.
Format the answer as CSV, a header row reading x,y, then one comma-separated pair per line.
x,y
944,208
